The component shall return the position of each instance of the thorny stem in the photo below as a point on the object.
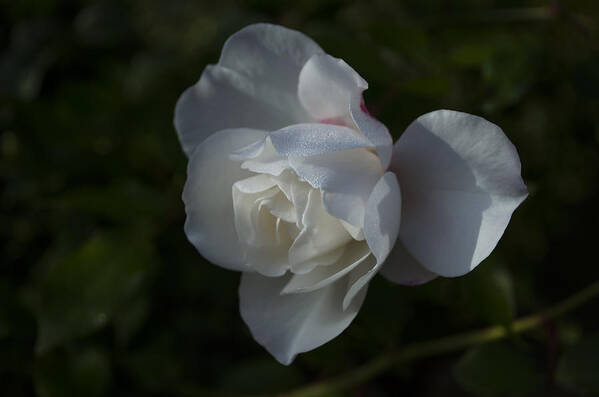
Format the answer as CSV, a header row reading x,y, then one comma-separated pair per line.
x,y
442,345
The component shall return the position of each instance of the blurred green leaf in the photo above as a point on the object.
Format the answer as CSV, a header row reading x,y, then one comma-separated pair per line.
x,y
380,293
17,335
135,201
488,293
471,54
156,367
130,318
260,376
509,74
80,373
82,292
431,86
578,369
498,369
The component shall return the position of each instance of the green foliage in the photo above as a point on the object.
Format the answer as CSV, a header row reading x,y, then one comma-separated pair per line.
x,y
261,376
81,373
488,292
498,369
81,293
579,366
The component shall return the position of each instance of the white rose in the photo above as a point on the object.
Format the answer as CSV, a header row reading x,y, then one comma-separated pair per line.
x,y
293,183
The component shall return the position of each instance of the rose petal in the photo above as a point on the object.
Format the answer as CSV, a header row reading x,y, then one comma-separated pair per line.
x,y
254,85
264,159
356,232
293,323
264,238
254,184
321,234
208,201
383,212
374,130
401,268
271,55
296,192
346,179
331,91
312,139
461,181
381,227
354,254
224,99
269,261
250,151
359,277
326,85
281,207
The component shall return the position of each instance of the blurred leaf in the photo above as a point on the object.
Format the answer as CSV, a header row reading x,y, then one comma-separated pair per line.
x,y
156,366
14,317
376,307
102,24
81,293
261,376
488,293
81,373
17,336
432,86
578,369
497,369
471,54
130,318
511,72
134,201
586,79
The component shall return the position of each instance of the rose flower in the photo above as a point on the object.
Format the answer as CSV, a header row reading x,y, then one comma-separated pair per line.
x,y
291,182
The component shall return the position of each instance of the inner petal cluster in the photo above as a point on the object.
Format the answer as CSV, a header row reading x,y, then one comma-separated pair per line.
x,y
282,225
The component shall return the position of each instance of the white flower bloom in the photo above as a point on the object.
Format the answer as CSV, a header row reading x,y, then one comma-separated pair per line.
x,y
293,183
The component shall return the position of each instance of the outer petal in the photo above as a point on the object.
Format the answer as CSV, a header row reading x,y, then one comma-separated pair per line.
x,y
293,323
461,181
381,226
326,85
210,225
401,268
331,91
270,54
254,85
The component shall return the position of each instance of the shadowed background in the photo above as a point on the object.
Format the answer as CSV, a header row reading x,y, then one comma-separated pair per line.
x,y
100,292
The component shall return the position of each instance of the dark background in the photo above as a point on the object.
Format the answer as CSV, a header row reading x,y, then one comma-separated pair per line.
x,y
100,292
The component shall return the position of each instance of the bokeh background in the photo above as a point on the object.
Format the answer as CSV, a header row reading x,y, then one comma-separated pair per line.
x,y
102,295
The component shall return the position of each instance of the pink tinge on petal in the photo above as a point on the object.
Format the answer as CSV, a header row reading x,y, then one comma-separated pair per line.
x,y
336,121
363,106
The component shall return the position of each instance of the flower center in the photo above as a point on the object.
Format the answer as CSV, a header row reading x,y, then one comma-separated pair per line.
x,y
282,224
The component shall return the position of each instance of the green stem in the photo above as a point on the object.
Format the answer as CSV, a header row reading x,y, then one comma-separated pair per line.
x,y
442,345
